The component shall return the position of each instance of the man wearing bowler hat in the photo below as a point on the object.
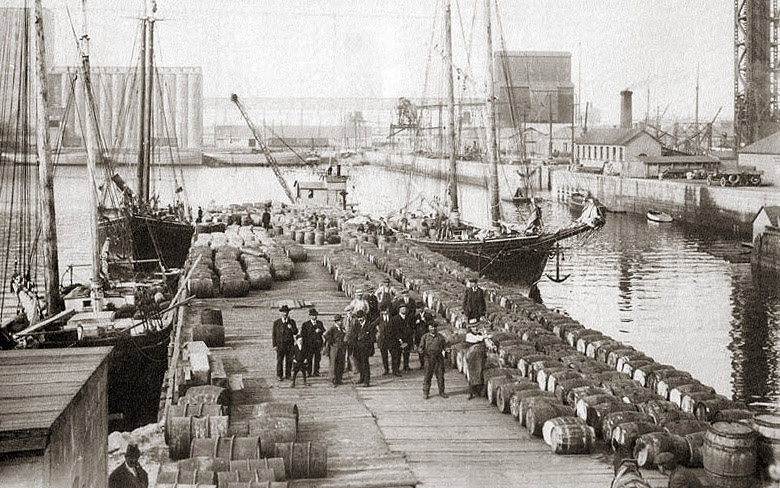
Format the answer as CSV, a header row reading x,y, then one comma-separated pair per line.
x,y
335,340
129,474
362,338
284,331
312,331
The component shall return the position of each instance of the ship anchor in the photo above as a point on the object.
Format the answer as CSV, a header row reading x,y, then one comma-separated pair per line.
x,y
558,278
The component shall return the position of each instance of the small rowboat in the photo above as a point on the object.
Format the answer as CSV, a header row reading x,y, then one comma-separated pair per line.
x,y
656,216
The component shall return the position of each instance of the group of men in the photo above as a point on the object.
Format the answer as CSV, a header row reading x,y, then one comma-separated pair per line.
x,y
395,325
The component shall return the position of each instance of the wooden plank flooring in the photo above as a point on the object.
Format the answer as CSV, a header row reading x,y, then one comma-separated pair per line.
x,y
388,435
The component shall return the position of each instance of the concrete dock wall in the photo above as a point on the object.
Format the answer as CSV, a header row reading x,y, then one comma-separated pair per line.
x,y
725,208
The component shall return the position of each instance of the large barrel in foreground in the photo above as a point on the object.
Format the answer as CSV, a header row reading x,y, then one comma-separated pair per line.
x,y
572,439
303,459
729,455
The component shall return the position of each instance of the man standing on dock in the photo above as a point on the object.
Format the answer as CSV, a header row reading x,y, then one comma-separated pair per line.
x,y
473,301
129,474
433,346
284,331
335,339
362,341
388,338
312,331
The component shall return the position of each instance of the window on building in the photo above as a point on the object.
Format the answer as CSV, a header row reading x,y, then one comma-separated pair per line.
x,y
311,193
589,153
614,152
621,154
565,147
252,142
601,152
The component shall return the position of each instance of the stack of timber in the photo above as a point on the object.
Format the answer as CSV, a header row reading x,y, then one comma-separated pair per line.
x,y
572,384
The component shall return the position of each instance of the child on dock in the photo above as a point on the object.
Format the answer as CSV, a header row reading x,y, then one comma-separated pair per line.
x,y
300,359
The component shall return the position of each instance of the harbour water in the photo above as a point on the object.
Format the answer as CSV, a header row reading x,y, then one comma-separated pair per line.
x,y
664,289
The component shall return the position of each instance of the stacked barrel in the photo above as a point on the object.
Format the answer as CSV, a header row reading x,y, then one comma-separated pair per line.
x,y
572,385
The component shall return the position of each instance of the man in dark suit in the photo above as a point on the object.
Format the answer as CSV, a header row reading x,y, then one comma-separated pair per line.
x,y
473,301
408,323
129,474
388,338
407,301
335,338
312,331
284,331
363,336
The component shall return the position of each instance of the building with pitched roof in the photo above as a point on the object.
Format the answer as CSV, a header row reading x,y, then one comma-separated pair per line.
x,y
768,217
764,154
615,145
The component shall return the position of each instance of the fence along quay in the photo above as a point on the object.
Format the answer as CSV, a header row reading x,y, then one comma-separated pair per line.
x,y
542,361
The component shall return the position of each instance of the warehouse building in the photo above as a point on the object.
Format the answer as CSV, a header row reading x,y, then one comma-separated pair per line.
x,y
614,146
765,156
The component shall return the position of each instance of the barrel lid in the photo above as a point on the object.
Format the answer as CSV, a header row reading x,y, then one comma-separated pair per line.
x,y
767,419
733,429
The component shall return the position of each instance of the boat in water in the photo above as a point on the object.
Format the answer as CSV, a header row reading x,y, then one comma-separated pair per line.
x,y
135,318
501,251
660,217
577,202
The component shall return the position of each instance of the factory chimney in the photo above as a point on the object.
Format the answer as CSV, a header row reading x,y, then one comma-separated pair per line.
x,y
626,110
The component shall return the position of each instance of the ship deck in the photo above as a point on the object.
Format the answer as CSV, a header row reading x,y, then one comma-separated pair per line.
x,y
387,435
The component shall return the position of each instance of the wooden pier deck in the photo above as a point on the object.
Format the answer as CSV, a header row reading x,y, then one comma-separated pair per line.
x,y
388,435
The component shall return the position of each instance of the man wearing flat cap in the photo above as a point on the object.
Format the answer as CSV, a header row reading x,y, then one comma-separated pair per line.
x,y
129,474
284,332
312,331
679,476
335,341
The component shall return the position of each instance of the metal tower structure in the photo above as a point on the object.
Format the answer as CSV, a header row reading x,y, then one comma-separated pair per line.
x,y
756,64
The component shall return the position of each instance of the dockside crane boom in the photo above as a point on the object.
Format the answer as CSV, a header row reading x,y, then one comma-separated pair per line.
x,y
266,151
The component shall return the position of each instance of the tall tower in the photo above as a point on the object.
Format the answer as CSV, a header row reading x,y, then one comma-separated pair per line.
x,y
756,109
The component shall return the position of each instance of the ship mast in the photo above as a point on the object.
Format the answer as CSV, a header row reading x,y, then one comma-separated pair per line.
x,y
91,140
452,184
45,173
492,149
146,97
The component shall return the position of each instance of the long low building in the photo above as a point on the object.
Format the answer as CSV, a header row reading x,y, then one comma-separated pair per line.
x,y
653,166
596,147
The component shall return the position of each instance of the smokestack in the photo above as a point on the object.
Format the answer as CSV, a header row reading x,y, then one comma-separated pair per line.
x,y
626,110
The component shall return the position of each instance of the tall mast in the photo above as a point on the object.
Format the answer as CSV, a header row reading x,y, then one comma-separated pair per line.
x,y
141,166
492,149
452,184
149,98
45,174
91,140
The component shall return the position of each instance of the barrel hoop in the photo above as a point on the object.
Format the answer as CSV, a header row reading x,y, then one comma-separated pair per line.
x,y
230,452
308,459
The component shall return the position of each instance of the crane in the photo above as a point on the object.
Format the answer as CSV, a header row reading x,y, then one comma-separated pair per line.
x,y
266,152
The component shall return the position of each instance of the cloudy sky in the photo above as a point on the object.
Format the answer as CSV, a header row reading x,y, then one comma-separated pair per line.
x,y
354,48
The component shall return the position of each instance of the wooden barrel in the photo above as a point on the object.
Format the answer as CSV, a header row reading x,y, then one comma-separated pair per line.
x,y
642,372
211,316
204,463
257,484
576,393
572,439
245,475
625,434
677,393
529,402
308,237
319,237
227,447
493,383
541,412
648,446
613,419
187,476
597,413
543,375
564,387
271,430
591,350
505,392
582,405
729,454
211,334
734,415
660,410
274,464
525,362
557,376
635,357
191,410
276,409
685,426
706,409
665,386
184,429
768,447
205,394
552,423
539,366
183,485
695,442
661,374
303,459
300,236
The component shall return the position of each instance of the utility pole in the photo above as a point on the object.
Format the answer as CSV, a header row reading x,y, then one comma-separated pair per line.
x,y
696,120
550,149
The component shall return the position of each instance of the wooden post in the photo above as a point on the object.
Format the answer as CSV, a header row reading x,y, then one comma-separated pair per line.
x,y
141,166
452,184
45,174
492,149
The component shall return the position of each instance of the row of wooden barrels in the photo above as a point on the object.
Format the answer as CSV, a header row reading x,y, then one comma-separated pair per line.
x,y
677,386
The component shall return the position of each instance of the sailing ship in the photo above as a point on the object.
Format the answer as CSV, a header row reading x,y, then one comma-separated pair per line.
x,y
139,230
503,251
138,360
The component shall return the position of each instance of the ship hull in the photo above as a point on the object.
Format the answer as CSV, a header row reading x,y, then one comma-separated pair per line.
x,y
150,238
516,259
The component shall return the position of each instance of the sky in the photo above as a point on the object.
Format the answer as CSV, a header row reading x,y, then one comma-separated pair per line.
x,y
380,48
